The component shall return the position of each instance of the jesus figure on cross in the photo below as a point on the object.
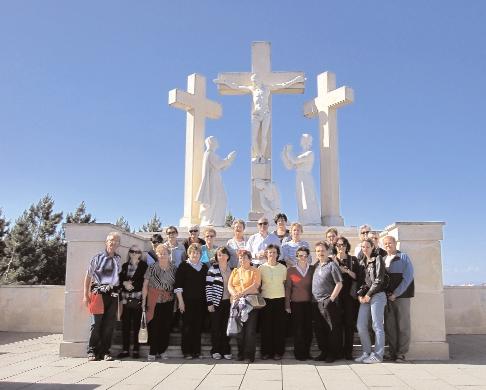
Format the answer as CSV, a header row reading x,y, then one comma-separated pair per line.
x,y
261,113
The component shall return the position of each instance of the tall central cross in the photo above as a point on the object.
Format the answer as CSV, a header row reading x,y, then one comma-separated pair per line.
x,y
325,106
261,83
198,108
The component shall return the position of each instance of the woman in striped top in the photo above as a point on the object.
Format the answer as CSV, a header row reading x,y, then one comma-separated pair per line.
x,y
218,300
159,296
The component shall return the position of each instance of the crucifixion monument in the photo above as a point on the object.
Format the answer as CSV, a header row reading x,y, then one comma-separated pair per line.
x,y
325,106
198,108
261,83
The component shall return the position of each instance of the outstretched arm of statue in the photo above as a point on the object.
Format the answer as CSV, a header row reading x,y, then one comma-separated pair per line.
x,y
287,157
230,84
298,79
221,164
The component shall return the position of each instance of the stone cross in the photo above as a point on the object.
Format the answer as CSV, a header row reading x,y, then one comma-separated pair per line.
x,y
325,106
198,108
261,83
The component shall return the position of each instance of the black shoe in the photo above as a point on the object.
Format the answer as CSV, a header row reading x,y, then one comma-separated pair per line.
x,y
123,354
320,358
277,357
348,356
135,355
240,358
265,357
301,358
249,360
330,359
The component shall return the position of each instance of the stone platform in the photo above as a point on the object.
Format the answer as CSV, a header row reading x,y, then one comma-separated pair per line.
x,y
32,361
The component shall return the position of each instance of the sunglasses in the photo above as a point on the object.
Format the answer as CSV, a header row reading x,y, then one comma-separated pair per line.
x,y
365,232
171,232
193,231
133,251
263,223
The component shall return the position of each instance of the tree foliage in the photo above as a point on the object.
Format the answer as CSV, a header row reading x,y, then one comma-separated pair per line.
x,y
229,220
36,252
154,225
80,215
123,223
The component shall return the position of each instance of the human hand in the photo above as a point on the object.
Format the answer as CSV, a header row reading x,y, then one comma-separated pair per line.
x,y
366,299
182,307
211,309
86,300
231,155
288,310
392,297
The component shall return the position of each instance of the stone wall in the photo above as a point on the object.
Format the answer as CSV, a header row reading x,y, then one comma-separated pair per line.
x,y
465,308
31,308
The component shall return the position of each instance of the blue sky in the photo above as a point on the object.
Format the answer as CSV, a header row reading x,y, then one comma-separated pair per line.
x,y
84,114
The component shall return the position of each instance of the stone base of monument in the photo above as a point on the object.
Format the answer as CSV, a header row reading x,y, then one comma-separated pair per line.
x,y
420,240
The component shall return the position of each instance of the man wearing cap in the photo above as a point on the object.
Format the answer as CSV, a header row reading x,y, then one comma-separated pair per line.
x,y
258,242
193,237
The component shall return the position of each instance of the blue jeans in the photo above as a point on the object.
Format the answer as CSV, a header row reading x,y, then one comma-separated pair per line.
x,y
375,308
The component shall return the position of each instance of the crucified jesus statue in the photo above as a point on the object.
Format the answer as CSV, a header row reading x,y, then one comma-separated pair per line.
x,y
261,114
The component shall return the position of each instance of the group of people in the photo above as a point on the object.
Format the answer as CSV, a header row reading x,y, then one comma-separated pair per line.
x,y
331,296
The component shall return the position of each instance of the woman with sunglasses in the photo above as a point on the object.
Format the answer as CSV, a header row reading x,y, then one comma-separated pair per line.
x,y
193,237
131,280
177,251
349,267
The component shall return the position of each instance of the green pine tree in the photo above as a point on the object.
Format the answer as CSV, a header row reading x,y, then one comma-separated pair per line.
x,y
80,215
3,246
229,220
123,223
154,225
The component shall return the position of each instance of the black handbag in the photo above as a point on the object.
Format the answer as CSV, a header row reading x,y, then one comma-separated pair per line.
x,y
133,303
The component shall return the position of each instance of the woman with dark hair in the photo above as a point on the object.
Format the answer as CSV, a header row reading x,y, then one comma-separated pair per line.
x,y
281,232
274,275
245,280
158,296
190,287
372,298
298,302
349,267
131,280
218,301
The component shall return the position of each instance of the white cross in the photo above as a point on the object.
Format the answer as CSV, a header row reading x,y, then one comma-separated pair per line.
x,y
325,106
198,108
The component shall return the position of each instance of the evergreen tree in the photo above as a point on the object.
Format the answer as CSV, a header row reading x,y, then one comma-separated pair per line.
x,y
35,246
123,223
3,246
154,225
229,220
80,215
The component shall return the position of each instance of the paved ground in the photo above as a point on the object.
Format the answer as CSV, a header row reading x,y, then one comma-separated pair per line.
x,y
31,361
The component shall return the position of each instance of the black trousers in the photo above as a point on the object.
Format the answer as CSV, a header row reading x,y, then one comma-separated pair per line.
x,y
349,315
327,326
219,324
102,327
191,326
273,327
247,338
159,328
301,328
131,324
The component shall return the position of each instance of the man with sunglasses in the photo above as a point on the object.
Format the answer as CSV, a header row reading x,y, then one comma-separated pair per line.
x,y
258,242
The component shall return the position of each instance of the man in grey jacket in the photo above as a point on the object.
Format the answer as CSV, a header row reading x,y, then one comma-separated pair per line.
x,y
400,290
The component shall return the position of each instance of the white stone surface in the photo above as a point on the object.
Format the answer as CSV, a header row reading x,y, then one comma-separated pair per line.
x,y
427,308
307,204
211,194
198,108
324,107
465,309
31,308
260,83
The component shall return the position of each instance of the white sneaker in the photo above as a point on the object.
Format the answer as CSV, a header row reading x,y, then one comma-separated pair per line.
x,y
372,359
217,356
228,356
362,358
164,356
151,358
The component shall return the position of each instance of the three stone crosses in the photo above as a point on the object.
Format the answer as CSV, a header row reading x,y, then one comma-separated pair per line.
x,y
261,83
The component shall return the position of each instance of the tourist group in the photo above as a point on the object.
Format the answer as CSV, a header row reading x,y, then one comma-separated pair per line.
x,y
268,283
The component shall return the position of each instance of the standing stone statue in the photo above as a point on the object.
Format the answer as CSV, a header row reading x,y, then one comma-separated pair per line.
x,y
211,194
261,114
307,200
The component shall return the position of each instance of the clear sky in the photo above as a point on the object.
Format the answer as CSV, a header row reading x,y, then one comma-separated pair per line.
x,y
84,114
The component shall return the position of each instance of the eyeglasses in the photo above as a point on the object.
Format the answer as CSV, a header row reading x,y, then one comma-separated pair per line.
x,y
171,232
193,231
134,251
262,223
365,232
